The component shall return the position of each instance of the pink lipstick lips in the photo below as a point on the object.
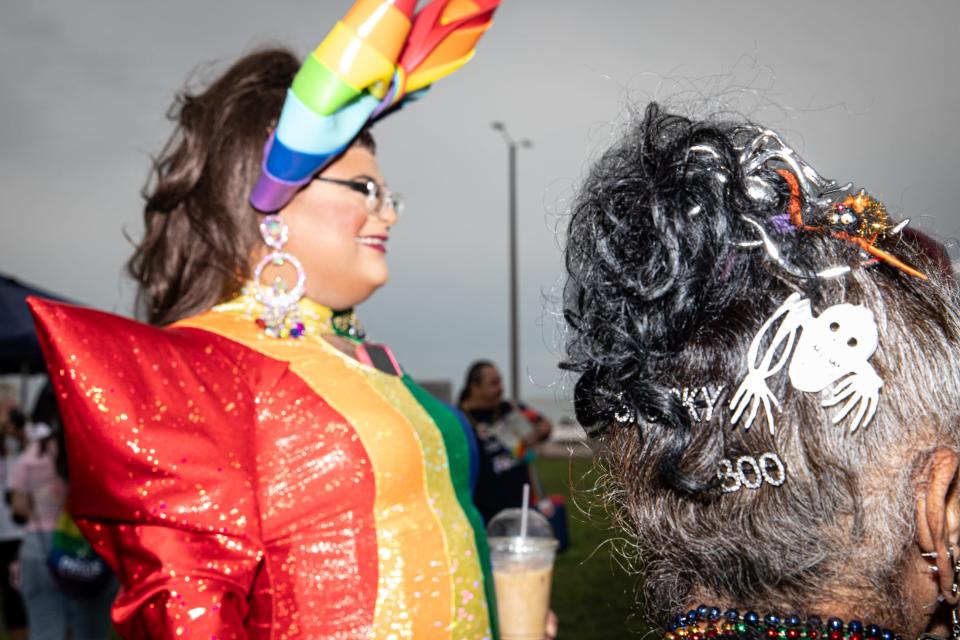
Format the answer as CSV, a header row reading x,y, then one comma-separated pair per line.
x,y
378,243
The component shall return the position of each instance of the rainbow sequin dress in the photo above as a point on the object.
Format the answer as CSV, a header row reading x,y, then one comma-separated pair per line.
x,y
243,486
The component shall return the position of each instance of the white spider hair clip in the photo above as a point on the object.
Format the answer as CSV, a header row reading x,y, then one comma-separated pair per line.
x,y
833,347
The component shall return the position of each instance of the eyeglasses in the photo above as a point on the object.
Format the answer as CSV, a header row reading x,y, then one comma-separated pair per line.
x,y
377,195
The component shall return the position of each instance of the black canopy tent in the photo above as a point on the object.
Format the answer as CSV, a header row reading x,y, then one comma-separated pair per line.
x,y
19,348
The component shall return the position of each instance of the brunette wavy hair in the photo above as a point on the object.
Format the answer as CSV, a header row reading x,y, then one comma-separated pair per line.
x,y
199,227
660,295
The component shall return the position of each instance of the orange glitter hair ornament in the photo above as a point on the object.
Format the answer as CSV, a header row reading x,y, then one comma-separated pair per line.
x,y
816,204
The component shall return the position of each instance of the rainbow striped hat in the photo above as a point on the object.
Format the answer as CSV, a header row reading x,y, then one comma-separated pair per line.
x,y
377,57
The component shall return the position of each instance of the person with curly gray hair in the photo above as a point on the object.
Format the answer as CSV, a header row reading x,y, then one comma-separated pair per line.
x,y
773,367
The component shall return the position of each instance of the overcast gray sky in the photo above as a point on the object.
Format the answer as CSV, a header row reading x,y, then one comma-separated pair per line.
x,y
867,91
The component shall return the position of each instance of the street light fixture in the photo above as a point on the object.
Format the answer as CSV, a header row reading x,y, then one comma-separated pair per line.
x,y
512,146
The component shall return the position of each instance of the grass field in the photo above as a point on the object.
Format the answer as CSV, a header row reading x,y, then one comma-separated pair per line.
x,y
592,594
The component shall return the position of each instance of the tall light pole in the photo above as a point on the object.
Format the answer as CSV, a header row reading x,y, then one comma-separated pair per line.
x,y
512,146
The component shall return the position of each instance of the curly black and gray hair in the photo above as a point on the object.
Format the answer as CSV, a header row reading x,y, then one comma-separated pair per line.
x,y
661,293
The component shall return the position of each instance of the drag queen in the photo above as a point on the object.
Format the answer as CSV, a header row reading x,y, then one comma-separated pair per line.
x,y
258,468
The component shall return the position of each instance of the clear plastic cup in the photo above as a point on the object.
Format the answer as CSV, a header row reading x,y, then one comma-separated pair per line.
x,y
522,572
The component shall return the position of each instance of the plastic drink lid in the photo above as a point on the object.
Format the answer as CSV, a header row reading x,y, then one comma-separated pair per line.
x,y
518,545
504,531
509,523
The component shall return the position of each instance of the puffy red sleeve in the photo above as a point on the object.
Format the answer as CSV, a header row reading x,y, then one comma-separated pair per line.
x,y
159,430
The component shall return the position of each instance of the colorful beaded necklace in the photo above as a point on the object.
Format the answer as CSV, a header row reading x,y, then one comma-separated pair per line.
x,y
346,325
706,622
311,318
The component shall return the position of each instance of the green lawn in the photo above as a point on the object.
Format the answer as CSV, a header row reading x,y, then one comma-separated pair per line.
x,y
592,594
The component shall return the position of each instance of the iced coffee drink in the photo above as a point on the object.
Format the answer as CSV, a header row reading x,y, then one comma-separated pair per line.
x,y
522,572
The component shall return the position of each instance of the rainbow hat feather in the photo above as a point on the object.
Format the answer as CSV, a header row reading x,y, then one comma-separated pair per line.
x,y
377,57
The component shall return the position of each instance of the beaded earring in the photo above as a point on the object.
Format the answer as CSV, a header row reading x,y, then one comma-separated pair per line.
x,y
954,563
281,313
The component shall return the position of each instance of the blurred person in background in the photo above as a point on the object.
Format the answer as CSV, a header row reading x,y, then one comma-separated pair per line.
x,y
12,442
774,369
506,437
286,479
38,493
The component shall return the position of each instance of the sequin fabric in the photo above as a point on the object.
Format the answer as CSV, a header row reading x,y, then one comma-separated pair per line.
x,y
243,486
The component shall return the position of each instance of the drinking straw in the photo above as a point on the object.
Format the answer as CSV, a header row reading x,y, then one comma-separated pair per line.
x,y
525,510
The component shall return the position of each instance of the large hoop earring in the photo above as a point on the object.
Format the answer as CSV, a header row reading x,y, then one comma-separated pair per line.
x,y
281,311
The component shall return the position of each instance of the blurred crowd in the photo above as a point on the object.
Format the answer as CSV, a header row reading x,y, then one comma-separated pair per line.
x,y
52,585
